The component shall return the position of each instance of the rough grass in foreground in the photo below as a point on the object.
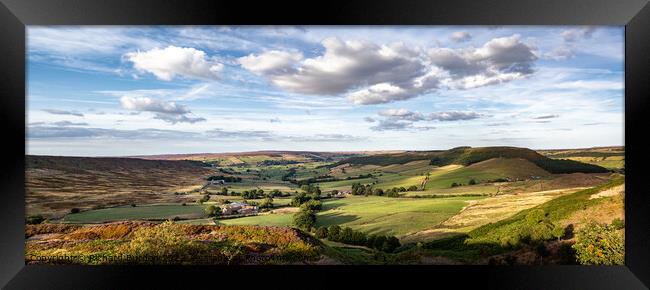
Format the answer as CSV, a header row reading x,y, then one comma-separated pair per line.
x,y
167,243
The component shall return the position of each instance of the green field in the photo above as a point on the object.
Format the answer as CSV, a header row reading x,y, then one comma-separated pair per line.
x,y
342,184
377,215
444,178
262,220
394,216
485,188
144,212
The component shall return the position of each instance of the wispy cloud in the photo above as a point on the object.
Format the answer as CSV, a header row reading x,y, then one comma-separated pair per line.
x,y
63,112
550,116
170,112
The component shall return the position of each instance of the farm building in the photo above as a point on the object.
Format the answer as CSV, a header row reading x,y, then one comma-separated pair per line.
x,y
342,193
238,208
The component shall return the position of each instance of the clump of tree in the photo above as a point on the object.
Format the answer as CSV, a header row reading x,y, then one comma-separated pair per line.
x,y
303,197
349,236
34,219
304,219
600,244
412,188
321,232
361,189
224,178
203,199
213,211
255,194
267,203
313,204
311,189
75,210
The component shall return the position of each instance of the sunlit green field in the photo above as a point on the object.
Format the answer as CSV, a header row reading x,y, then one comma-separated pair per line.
x,y
342,184
262,220
394,216
611,162
444,178
377,215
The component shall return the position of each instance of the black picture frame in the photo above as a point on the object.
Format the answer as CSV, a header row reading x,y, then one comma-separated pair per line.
x,y
16,14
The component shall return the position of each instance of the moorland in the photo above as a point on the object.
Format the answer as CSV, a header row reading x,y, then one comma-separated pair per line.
x,y
484,205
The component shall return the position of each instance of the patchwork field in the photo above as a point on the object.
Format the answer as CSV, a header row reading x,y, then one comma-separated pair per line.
x,y
375,215
433,199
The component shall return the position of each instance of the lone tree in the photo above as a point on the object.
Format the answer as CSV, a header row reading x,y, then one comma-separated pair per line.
x,y
321,232
204,199
213,210
333,233
304,219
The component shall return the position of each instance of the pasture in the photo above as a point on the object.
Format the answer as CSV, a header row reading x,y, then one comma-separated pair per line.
x,y
389,216
143,212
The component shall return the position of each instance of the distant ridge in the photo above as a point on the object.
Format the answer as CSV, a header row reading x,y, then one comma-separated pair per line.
x,y
468,155
190,156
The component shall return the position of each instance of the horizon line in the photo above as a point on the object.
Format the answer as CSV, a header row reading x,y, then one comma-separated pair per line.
x,y
316,151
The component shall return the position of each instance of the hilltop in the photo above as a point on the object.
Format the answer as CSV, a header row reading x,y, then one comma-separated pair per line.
x,y
468,156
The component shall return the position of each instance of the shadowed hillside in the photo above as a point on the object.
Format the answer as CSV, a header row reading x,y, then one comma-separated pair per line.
x,y
55,185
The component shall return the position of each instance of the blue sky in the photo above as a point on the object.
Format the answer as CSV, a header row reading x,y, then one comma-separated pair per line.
x,y
119,90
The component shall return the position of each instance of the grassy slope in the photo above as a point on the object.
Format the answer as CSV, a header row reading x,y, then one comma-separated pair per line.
x,y
557,209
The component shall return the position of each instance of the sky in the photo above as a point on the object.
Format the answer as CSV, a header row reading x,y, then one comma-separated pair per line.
x,y
142,90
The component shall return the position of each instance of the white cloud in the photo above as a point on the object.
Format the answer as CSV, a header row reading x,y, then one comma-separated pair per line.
x,y
379,73
560,53
368,73
402,114
460,36
170,112
393,125
272,62
403,119
573,35
569,47
498,60
414,116
172,61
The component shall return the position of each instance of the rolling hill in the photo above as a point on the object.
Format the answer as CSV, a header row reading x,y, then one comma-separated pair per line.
x,y
468,156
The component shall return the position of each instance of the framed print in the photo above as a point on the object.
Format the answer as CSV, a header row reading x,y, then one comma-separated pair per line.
x,y
417,140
